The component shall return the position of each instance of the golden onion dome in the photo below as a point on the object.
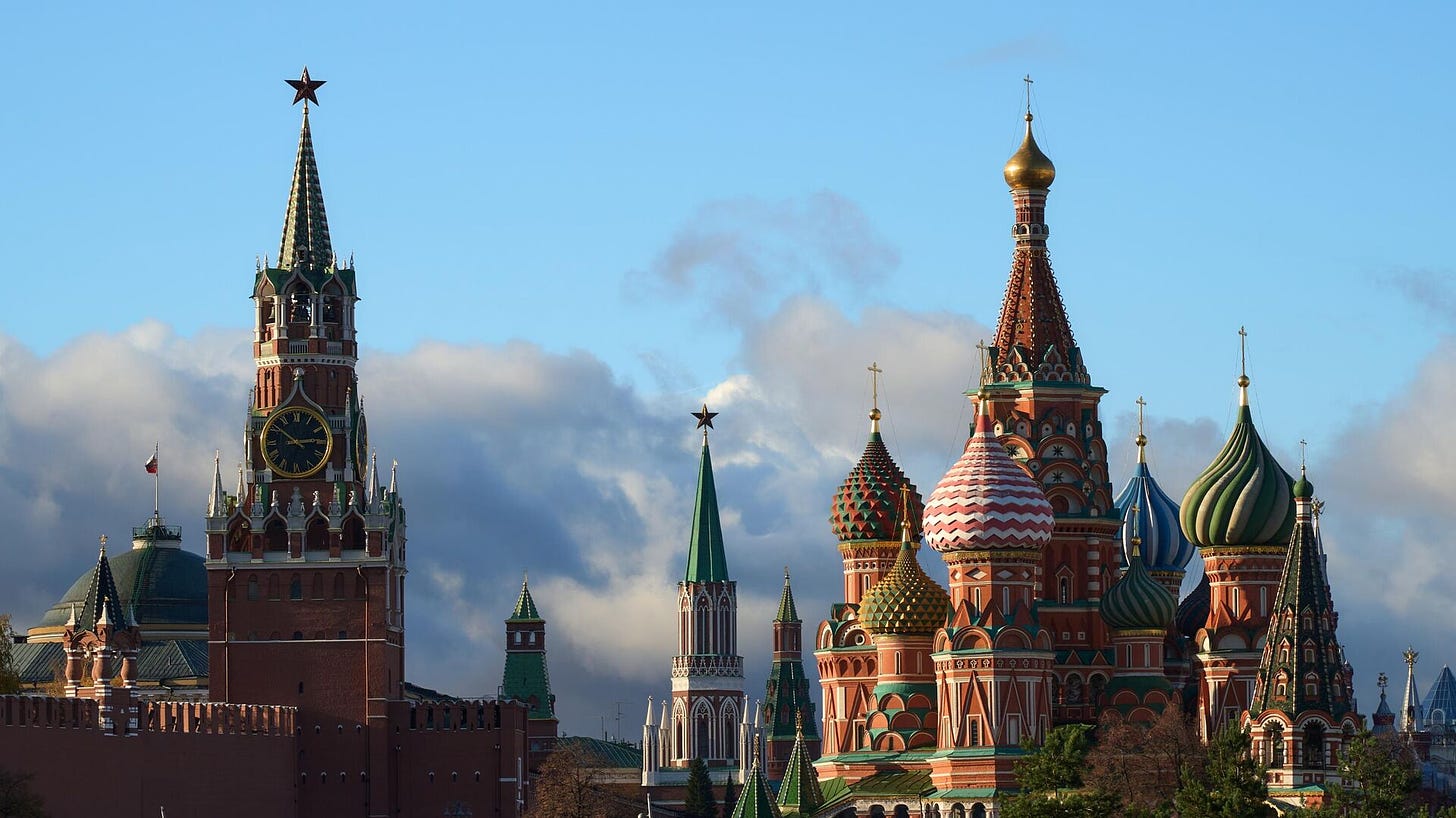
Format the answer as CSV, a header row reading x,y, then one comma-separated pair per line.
x,y
1029,167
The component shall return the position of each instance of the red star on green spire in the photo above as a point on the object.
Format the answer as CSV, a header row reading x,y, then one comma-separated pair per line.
x,y
705,418
304,88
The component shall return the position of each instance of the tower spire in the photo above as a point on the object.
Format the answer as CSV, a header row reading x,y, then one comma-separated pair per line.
x,y
1410,709
875,372
1142,439
1243,367
706,559
305,225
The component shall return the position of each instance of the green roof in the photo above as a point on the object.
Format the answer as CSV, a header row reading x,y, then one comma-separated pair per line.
x,y
158,662
787,611
525,610
756,800
914,783
158,585
599,753
706,560
525,680
799,791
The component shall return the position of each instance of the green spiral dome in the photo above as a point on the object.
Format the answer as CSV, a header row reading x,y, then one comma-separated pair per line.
x,y
1137,601
1244,497
906,601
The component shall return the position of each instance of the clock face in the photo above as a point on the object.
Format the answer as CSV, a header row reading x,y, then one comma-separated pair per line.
x,y
296,441
361,445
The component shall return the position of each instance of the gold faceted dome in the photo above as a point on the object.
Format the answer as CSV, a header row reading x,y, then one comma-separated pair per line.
x,y
1029,167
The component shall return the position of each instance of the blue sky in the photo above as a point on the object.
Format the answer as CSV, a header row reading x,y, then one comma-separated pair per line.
x,y
651,185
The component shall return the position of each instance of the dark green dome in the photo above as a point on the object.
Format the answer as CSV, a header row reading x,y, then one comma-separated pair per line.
x,y
1243,498
1137,601
1303,489
161,586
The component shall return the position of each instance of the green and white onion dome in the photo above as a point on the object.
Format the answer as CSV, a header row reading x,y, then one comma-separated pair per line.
x,y
1244,497
1137,601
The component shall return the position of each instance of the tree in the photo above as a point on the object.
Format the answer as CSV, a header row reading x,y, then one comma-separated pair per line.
x,y
1057,765
1380,776
570,785
1229,784
1141,764
699,801
17,800
730,798
1070,805
9,676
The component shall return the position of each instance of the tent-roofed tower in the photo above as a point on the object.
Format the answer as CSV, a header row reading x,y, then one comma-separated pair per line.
x,y
787,701
866,519
525,677
1240,514
1044,409
306,565
1303,708
709,716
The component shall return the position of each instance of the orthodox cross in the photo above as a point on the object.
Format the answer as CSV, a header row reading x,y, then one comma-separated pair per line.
x,y
985,362
1028,80
1134,510
1140,404
305,90
102,538
1302,446
1243,353
1381,681
875,373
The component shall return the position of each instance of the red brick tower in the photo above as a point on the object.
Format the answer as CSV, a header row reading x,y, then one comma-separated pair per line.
x,y
1045,411
306,563
1240,514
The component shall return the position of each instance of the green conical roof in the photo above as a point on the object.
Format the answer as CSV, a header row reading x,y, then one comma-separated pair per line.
x,y
706,562
1244,497
525,606
799,791
305,226
755,801
787,611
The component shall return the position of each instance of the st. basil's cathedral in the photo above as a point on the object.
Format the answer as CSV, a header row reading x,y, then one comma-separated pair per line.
x,y
1060,601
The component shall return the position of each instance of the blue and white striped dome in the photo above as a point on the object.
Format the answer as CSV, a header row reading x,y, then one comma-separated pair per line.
x,y
1164,546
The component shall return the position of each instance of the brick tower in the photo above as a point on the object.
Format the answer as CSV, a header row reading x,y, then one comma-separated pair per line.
x,y
306,562
788,706
1240,514
709,716
525,678
1303,708
1044,409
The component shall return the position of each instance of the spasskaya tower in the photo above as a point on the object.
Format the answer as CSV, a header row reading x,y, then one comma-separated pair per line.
x,y
306,556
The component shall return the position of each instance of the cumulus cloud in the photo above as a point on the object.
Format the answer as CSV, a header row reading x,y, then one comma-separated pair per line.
x,y
741,256
1432,291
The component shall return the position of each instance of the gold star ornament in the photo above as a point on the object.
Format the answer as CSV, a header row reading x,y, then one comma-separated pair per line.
x,y
705,418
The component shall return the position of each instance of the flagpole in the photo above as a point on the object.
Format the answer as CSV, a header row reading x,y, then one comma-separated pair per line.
x,y
156,483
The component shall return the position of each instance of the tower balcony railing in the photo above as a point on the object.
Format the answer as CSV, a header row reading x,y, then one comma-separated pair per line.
x,y
707,665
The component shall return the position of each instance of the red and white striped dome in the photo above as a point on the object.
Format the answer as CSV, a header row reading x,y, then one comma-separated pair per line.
x,y
987,501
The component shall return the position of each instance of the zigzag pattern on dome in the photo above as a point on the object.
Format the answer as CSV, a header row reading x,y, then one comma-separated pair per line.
x,y
866,506
987,501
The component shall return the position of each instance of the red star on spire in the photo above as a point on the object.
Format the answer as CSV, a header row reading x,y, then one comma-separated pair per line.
x,y
304,88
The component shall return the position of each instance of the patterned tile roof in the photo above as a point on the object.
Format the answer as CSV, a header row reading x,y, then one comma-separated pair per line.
x,y
305,226
787,611
159,662
756,801
525,610
867,505
987,501
906,601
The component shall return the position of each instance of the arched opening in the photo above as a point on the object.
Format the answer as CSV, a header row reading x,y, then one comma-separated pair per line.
x,y
300,304
275,535
353,534
317,536
318,587
902,811
978,811
1274,744
338,586
295,588
1097,684
1314,744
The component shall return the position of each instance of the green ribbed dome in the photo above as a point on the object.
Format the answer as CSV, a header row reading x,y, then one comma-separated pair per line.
x,y
906,601
1243,498
1138,601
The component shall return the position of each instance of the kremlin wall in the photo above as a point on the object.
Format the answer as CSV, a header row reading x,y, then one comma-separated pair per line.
x,y
277,657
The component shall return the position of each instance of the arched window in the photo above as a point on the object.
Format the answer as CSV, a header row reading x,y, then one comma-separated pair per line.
x,y
252,588
353,534
295,588
1314,745
273,587
275,535
317,537
1064,590
1274,742
318,586
338,586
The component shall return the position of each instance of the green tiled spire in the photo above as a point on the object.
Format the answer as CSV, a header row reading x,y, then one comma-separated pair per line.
x,y
305,226
756,801
787,612
800,791
706,561
525,606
